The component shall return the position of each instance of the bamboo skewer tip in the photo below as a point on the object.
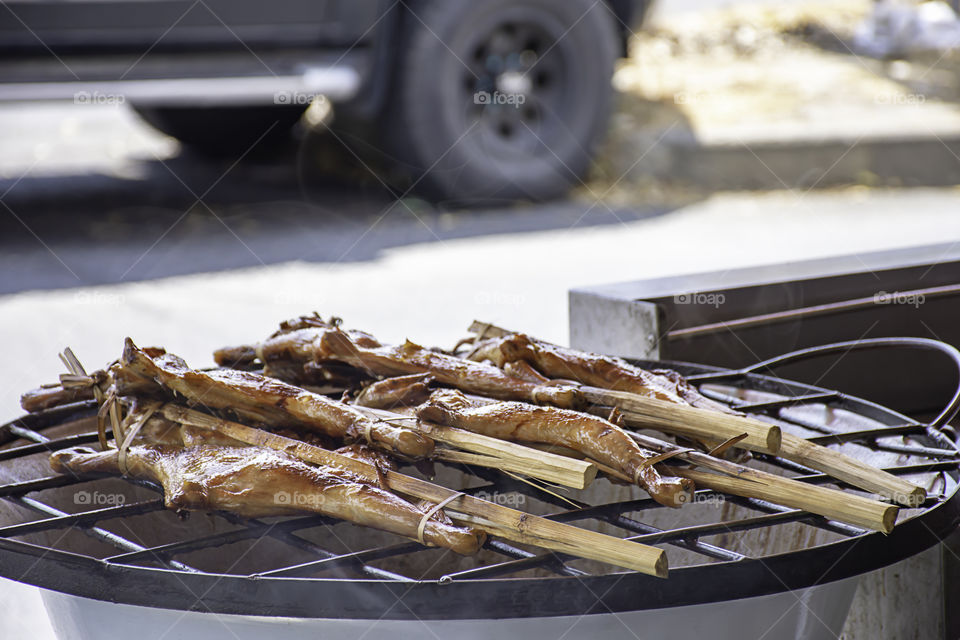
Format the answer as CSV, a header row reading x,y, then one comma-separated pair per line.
x,y
774,439
890,518
661,566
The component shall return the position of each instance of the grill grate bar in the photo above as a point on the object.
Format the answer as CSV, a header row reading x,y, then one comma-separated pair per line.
x,y
915,450
809,518
49,446
97,533
726,374
27,434
213,540
756,522
523,561
368,555
869,434
30,422
787,402
745,524
378,553
305,545
40,484
510,566
613,514
551,561
696,546
815,477
83,519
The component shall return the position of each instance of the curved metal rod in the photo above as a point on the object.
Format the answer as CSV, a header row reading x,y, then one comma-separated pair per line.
x,y
925,344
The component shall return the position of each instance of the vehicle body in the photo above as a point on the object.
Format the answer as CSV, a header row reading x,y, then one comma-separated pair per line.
x,y
511,96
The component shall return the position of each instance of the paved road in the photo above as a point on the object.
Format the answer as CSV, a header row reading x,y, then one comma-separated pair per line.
x,y
92,196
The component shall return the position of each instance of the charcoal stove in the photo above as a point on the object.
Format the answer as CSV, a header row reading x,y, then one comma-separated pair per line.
x,y
114,563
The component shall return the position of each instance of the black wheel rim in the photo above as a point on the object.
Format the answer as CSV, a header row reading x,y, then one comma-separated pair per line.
x,y
514,84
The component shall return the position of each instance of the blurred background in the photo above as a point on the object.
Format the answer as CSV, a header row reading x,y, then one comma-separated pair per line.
x,y
191,173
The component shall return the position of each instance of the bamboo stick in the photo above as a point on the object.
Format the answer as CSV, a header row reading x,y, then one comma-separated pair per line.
x,y
850,470
860,470
499,520
829,503
790,447
692,422
828,461
739,480
642,412
487,330
496,453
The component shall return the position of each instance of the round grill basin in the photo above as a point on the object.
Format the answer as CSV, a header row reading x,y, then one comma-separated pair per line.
x,y
77,537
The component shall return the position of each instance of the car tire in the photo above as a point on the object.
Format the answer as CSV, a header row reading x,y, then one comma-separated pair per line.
x,y
219,131
500,99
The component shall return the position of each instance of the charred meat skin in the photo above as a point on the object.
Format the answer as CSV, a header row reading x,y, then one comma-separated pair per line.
x,y
594,437
592,369
269,401
255,482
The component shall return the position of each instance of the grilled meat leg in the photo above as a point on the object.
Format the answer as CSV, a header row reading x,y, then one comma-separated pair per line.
x,y
592,369
472,377
295,354
269,401
594,437
256,482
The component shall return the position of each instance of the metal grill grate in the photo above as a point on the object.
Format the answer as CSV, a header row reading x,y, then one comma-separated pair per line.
x,y
325,583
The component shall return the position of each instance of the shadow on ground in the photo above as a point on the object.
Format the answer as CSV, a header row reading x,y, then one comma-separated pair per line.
x,y
191,214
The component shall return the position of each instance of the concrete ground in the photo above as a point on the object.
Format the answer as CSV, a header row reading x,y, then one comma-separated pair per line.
x,y
763,96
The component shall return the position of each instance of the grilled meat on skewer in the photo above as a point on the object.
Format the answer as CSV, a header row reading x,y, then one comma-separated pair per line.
x,y
592,369
256,482
472,377
269,401
294,354
594,437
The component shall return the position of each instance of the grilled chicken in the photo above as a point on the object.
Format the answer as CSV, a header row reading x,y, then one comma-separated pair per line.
x,y
591,369
256,482
294,354
594,437
472,377
268,401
